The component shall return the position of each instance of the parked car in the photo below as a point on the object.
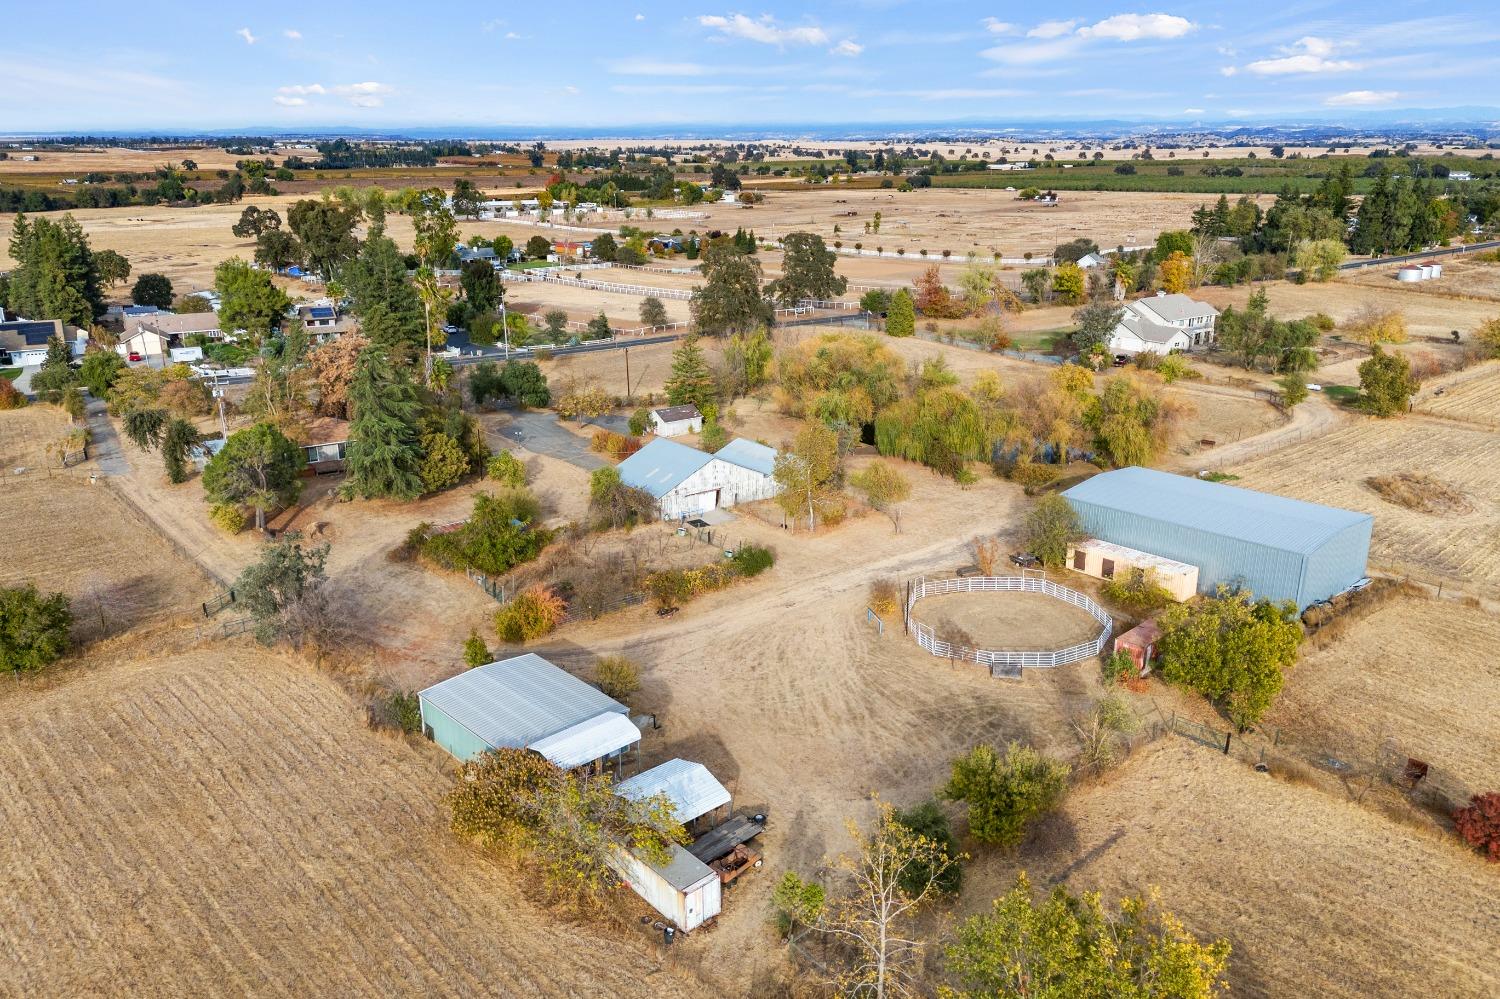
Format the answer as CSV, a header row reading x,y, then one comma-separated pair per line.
x,y
135,355
1025,560
1314,387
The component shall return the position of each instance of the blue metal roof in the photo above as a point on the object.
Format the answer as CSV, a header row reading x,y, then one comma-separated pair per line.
x,y
661,466
749,454
518,701
1243,514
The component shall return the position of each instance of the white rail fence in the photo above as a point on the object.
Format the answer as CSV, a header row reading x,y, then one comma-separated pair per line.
x,y
1000,662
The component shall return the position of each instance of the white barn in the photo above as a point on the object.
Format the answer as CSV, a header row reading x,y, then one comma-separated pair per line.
x,y
673,421
687,482
1163,324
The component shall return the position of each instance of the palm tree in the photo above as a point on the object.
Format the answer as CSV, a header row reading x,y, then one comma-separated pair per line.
x,y
435,299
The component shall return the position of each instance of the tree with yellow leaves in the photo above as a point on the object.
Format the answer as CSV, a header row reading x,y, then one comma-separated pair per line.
x,y
1177,273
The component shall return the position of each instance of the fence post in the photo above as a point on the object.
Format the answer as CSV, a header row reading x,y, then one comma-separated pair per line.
x,y
1227,736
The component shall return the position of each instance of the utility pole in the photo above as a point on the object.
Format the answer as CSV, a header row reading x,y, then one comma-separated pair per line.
x,y
427,317
627,376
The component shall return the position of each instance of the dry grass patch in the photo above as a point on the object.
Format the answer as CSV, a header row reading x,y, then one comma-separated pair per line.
x,y
1420,492
1473,397
25,434
1458,547
220,822
1305,887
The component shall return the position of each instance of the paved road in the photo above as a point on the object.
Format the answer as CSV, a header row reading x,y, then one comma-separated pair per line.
x,y
1442,251
104,443
542,433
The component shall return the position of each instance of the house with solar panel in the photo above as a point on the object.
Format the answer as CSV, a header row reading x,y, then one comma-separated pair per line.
x,y
323,321
526,702
1275,547
687,482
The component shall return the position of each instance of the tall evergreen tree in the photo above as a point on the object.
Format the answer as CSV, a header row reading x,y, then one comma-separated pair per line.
x,y
385,451
386,301
691,382
730,299
55,275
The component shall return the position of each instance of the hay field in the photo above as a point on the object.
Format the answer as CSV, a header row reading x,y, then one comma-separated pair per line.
x,y
115,159
25,434
1417,677
1317,897
220,822
1461,548
1472,397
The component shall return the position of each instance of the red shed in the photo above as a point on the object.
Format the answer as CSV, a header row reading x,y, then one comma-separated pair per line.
x,y
1140,643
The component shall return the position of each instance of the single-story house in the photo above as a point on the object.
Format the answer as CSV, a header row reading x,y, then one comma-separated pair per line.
x,y
327,441
665,244
155,335
1091,260
686,482
1460,175
685,889
568,250
673,421
1008,166
123,312
1163,324
1103,560
526,702
23,342
468,253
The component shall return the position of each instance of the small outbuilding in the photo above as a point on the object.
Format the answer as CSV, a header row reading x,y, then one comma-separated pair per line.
x,y
699,801
1276,547
1103,560
687,482
526,702
1139,643
674,421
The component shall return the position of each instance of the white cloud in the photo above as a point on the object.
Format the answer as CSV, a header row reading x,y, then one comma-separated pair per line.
x,y
289,102
1305,55
245,34
1361,98
364,95
511,36
1133,27
570,89
1052,29
848,47
492,25
692,89
1193,111
640,17
1228,70
302,89
995,26
764,30
656,67
1031,53
293,34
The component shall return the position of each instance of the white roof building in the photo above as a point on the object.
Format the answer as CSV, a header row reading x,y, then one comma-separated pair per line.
x,y
1163,324
690,787
687,482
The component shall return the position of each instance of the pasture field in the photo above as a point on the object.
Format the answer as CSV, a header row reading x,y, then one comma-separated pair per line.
x,y
1317,896
1461,548
1472,396
25,434
1362,700
219,821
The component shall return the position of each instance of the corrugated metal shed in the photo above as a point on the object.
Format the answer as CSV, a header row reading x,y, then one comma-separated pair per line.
x,y
592,739
690,787
661,465
515,702
748,454
1276,547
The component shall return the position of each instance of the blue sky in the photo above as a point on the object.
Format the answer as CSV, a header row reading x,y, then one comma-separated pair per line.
x,y
382,64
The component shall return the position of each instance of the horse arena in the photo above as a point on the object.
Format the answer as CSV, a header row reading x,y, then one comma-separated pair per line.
x,y
1052,625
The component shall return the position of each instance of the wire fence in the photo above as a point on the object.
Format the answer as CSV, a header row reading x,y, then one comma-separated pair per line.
x,y
1001,662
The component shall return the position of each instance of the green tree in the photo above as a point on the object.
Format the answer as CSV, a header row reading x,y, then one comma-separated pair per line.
x,y
729,300
1230,648
618,677
113,268
57,374
34,628
1319,259
177,441
248,299
901,319
506,469
928,821
1293,389
1068,947
1069,283
806,471
476,653
884,488
876,301
747,361
152,289
1250,332
277,249
257,467
1173,241
1386,383
481,286
326,231
524,382
255,222
1096,325
653,313
465,198
1052,525
538,247
385,451
605,249
385,300
1004,793
691,382
55,275
598,328
807,271
435,232
280,587
144,426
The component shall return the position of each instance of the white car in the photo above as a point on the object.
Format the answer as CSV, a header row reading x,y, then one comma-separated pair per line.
x,y
1314,387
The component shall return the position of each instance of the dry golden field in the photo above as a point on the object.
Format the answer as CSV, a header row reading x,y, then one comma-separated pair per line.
x,y
1462,548
1415,678
221,822
1317,896
1463,277
1472,396
25,435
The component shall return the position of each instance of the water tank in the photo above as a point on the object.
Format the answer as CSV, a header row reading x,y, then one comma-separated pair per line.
x,y
1409,274
1426,271
1437,270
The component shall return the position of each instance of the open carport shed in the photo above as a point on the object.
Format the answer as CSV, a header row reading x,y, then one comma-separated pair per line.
x,y
1275,547
526,702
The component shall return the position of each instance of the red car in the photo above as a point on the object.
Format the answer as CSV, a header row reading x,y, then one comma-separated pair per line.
x,y
135,356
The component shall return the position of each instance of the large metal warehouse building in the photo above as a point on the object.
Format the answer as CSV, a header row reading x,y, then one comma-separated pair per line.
x,y
1275,547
